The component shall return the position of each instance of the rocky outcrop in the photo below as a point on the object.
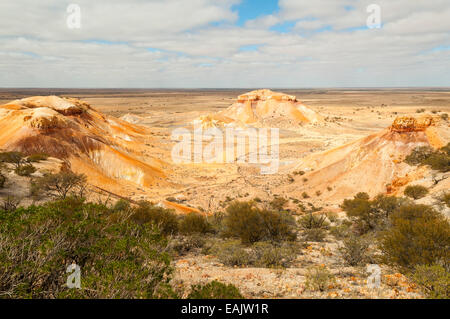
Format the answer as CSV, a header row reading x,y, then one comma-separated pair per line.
x,y
413,124
263,108
108,150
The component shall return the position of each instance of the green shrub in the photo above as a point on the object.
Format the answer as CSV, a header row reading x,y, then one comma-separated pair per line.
x,y
434,280
15,158
445,198
121,205
3,180
59,185
215,290
251,224
305,195
310,221
319,279
194,223
315,235
368,214
165,219
266,254
416,191
444,116
36,158
342,230
418,235
232,253
117,257
278,203
25,170
424,155
184,244
354,251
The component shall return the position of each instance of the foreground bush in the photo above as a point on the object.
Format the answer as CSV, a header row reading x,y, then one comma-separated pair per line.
x,y
247,222
354,251
260,254
165,219
418,235
195,223
118,258
319,279
370,215
215,290
434,280
416,191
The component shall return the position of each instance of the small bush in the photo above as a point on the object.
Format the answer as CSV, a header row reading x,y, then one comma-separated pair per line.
x,y
251,224
354,251
445,198
232,253
444,116
314,235
59,185
36,158
215,290
319,279
437,160
416,191
305,195
184,244
121,205
166,220
418,235
3,180
278,203
310,221
25,170
15,158
434,280
268,255
194,223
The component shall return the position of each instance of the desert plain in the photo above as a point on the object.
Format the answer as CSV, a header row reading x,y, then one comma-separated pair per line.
x,y
353,148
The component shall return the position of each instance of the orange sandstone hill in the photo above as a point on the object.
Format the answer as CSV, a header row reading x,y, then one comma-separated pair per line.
x,y
263,108
110,151
373,164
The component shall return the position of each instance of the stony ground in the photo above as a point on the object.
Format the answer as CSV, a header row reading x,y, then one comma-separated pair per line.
x,y
350,282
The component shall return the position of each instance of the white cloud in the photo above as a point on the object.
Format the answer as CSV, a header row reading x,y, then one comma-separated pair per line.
x,y
196,44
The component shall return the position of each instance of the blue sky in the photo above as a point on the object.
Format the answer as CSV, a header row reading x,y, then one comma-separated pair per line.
x,y
251,9
225,43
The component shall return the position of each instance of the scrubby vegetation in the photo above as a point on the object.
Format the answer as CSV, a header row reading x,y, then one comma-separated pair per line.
x,y
434,280
416,191
417,235
249,223
59,185
215,290
438,160
319,279
118,257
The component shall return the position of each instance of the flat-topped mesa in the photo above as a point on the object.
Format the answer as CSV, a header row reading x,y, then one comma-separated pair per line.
x,y
264,95
413,124
64,106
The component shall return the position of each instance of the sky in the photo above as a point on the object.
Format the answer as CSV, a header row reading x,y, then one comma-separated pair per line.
x,y
224,44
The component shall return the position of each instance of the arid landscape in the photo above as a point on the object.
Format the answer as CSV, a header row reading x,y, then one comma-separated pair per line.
x,y
333,144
